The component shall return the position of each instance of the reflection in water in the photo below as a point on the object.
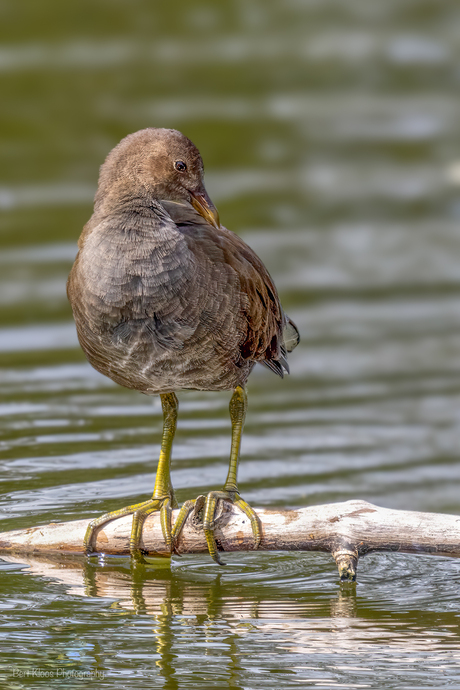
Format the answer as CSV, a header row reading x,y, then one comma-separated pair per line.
x,y
172,619
155,590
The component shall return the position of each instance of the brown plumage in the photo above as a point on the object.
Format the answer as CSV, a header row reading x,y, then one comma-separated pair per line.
x,y
164,297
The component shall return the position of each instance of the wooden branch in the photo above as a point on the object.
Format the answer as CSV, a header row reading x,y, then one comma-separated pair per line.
x,y
346,530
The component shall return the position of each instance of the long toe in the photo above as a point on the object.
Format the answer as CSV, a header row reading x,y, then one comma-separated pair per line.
x,y
209,516
140,516
181,519
139,511
89,541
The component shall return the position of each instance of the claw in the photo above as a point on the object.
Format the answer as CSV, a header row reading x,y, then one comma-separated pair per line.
x,y
238,405
209,503
208,522
253,517
139,511
181,519
209,514
163,498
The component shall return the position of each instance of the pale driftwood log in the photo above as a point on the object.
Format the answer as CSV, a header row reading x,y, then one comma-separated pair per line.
x,y
346,530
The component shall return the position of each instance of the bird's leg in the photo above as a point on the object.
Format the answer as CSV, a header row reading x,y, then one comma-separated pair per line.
x,y
229,492
238,407
163,498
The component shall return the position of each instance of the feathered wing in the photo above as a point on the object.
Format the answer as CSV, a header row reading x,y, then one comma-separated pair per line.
x,y
267,333
270,332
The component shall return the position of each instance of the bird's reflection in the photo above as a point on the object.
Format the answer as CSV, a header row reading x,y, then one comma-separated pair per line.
x,y
156,589
191,597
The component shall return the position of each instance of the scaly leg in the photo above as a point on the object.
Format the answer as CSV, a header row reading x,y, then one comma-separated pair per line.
x,y
229,492
163,498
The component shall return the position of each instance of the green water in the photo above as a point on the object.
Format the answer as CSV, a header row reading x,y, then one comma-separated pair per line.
x,y
329,131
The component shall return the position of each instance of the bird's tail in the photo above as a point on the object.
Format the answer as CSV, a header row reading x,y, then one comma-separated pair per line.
x,y
291,335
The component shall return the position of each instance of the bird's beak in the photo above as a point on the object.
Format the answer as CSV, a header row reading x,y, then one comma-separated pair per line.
x,y
203,204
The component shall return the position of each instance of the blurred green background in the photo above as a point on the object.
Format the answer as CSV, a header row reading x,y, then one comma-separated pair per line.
x,y
330,135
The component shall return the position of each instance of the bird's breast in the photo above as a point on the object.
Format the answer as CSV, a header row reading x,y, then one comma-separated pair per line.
x,y
152,313
121,267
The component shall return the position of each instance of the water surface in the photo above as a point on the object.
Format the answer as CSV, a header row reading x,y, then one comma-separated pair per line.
x,y
329,133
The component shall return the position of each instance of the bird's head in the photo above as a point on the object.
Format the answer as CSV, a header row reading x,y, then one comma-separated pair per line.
x,y
160,164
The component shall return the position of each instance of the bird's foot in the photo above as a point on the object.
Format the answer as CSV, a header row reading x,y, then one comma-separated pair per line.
x,y
139,511
208,505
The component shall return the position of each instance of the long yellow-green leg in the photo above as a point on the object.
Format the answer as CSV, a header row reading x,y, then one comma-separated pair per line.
x,y
238,407
229,492
163,498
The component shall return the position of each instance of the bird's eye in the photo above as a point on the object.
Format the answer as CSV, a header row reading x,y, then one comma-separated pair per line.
x,y
180,166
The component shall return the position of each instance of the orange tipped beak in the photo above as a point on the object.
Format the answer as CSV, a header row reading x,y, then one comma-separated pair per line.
x,y
204,206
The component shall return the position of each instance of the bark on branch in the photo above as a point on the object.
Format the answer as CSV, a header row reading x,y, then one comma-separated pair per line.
x,y
346,530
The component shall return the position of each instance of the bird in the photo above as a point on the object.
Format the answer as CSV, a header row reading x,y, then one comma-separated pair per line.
x,y
166,299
